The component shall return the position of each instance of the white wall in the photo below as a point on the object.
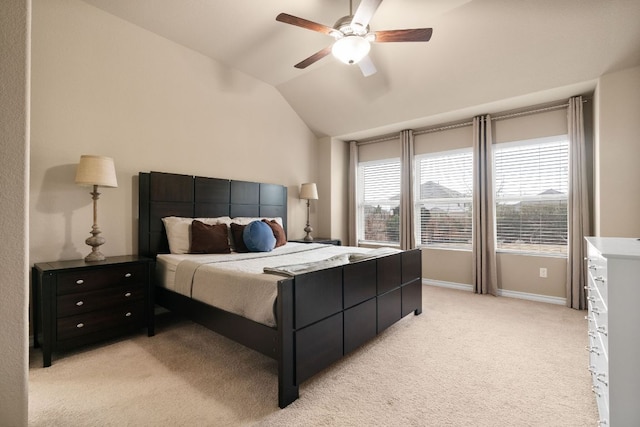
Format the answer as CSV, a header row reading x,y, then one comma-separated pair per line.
x,y
103,86
14,178
617,154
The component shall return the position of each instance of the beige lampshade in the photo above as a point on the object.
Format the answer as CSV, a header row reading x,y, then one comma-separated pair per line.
x,y
96,170
308,191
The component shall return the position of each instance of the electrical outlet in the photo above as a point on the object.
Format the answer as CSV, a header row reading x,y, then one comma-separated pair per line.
x,y
543,272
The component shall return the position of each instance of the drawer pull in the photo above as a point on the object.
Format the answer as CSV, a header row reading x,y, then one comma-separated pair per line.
x,y
593,267
596,311
602,330
80,303
592,299
600,279
128,314
595,350
128,294
127,275
80,325
79,282
594,389
600,377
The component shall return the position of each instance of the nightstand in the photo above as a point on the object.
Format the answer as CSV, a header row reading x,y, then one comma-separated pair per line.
x,y
78,303
325,240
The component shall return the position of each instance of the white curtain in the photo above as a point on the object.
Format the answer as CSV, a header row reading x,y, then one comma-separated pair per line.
x,y
407,235
353,202
578,207
485,277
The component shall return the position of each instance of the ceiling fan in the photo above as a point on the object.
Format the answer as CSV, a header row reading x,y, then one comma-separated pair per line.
x,y
353,36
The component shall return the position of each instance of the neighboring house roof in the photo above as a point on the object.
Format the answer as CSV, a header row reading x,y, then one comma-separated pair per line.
x,y
433,190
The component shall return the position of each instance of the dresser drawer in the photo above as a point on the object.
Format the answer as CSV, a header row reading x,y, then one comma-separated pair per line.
x,y
77,303
82,324
598,365
91,279
599,284
598,311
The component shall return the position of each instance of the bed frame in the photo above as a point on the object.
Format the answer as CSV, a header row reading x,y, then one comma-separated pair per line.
x,y
321,315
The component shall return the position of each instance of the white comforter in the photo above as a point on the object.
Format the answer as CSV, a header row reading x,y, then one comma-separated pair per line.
x,y
237,282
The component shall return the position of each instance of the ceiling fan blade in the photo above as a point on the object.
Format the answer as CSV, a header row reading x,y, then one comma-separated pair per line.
x,y
411,35
300,22
366,66
313,58
365,11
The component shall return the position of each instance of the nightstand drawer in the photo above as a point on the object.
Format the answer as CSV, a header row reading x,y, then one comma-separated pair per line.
x,y
91,279
73,304
86,323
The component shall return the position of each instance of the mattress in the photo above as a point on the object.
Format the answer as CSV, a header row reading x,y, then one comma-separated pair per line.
x,y
236,282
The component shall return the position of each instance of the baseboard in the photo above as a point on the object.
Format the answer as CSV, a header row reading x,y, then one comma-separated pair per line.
x,y
450,285
532,297
501,292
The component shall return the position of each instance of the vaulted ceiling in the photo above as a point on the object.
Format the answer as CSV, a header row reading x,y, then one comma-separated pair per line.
x,y
484,55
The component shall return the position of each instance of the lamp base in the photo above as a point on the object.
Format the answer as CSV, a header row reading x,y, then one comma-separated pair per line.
x,y
95,255
95,241
308,230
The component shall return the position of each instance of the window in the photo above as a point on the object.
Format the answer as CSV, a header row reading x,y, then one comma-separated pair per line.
x,y
443,201
531,185
379,202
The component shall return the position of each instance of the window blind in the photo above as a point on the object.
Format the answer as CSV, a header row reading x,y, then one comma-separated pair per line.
x,y
531,180
443,208
379,202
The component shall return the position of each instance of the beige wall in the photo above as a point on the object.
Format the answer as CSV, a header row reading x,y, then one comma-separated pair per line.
x,y
340,190
104,86
332,203
14,179
617,154
517,273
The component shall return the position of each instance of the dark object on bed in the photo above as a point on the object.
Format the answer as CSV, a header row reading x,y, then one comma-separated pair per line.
x,y
322,315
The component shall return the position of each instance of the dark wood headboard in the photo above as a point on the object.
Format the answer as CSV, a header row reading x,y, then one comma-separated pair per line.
x,y
166,194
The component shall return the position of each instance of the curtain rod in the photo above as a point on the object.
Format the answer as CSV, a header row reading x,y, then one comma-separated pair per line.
x,y
464,124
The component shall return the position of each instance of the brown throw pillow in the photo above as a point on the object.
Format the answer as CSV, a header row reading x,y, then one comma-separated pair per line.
x,y
236,233
278,232
209,239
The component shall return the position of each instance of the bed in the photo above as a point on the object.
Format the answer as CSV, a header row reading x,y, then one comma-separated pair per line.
x,y
319,316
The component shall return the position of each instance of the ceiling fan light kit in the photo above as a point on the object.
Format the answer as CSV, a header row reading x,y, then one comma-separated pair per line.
x,y
350,49
353,36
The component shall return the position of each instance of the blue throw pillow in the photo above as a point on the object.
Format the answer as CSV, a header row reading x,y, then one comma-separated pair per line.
x,y
259,237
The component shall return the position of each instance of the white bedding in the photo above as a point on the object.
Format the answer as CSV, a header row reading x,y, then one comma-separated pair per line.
x,y
237,282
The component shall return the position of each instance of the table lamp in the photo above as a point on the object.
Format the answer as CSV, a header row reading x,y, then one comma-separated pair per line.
x,y
96,171
309,192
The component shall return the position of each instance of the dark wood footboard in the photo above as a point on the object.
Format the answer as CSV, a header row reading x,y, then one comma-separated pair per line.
x,y
326,314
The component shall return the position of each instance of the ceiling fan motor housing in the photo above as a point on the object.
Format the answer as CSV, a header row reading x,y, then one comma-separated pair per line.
x,y
345,27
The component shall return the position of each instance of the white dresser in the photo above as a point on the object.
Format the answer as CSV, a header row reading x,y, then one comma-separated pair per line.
x,y
613,294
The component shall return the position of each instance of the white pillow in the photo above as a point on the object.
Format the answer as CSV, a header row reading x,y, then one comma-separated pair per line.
x,y
245,220
179,231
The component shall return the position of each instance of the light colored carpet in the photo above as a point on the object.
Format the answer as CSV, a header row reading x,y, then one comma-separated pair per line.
x,y
467,360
